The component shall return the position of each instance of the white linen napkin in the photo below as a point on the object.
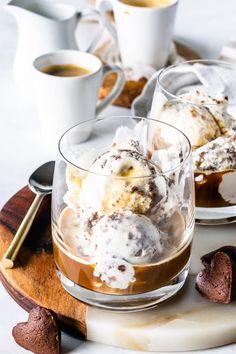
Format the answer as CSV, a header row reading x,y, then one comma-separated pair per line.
x,y
212,83
212,79
228,52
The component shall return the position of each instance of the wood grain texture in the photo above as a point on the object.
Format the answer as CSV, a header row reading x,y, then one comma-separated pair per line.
x,y
132,89
34,281
186,52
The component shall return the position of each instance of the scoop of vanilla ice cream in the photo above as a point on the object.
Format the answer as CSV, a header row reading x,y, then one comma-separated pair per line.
x,y
168,158
217,155
75,175
125,235
196,122
74,179
75,232
115,273
131,138
168,206
217,105
106,189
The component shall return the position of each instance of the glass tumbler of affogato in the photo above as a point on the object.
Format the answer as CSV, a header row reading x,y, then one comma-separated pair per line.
x,y
199,98
123,212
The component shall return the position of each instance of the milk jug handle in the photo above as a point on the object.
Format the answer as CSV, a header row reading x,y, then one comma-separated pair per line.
x,y
104,7
93,13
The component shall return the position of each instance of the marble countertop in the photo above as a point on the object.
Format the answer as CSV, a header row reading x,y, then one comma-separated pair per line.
x,y
205,25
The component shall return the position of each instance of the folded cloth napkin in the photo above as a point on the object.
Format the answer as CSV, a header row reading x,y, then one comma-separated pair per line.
x,y
212,79
228,52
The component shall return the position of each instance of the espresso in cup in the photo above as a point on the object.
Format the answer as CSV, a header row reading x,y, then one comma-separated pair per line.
x,y
68,93
147,3
66,70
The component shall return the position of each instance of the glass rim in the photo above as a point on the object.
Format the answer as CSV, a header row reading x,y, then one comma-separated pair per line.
x,y
102,118
165,70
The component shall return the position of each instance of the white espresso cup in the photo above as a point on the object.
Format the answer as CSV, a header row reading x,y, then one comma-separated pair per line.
x,y
144,31
64,101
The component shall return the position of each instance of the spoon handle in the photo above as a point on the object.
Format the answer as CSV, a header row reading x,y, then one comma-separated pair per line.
x,y
13,249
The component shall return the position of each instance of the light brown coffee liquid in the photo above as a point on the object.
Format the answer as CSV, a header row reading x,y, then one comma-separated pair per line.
x,y
148,276
147,3
65,70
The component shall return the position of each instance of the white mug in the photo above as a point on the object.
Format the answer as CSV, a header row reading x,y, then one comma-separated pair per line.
x,y
63,102
44,27
144,34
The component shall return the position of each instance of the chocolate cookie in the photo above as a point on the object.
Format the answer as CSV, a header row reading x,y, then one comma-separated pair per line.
x,y
40,334
217,282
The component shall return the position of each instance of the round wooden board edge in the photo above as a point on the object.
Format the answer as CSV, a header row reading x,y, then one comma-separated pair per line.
x,y
186,51
69,325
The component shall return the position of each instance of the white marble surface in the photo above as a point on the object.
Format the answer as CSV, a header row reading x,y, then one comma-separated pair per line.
x,y
203,24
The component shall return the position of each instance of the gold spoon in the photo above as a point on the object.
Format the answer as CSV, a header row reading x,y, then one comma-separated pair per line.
x,y
40,182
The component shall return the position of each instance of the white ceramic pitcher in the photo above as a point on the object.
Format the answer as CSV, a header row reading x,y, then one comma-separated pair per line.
x,y
43,27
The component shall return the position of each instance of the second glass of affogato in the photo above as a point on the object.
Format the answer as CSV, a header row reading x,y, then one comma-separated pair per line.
x,y
123,212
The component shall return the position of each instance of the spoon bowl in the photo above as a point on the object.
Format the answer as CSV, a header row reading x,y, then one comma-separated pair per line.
x,y
40,182
41,179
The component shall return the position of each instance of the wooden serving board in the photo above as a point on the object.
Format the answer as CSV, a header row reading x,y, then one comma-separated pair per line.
x,y
187,322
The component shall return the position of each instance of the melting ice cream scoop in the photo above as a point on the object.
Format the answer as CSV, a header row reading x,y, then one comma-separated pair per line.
x,y
128,236
196,122
120,240
218,106
106,189
217,155
115,273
